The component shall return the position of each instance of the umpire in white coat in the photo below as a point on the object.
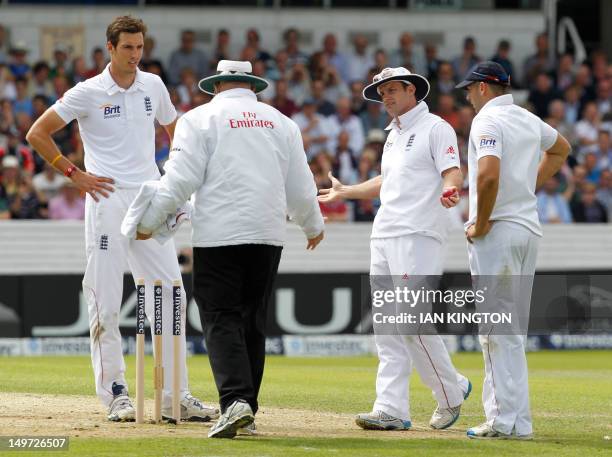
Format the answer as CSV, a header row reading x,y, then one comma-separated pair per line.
x,y
245,162
506,166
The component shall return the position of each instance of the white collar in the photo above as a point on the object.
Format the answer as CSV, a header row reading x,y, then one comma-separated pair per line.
x,y
502,100
111,87
235,93
408,118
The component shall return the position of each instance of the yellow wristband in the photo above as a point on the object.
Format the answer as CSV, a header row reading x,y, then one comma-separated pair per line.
x,y
56,159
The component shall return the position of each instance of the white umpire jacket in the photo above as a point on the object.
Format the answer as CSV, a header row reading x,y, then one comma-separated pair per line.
x,y
245,162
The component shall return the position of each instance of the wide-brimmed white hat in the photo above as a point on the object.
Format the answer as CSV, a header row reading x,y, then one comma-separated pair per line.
x,y
233,70
396,74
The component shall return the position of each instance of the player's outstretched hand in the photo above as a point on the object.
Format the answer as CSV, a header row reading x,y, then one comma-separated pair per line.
x,y
92,184
450,197
332,194
314,242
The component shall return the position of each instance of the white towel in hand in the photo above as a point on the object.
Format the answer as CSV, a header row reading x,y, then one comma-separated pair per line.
x,y
138,207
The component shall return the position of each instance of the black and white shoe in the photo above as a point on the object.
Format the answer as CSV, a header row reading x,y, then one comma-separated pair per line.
x,y
193,410
238,415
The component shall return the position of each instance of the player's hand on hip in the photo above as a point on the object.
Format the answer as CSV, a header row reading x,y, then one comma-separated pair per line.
x,y
142,236
450,197
92,184
332,194
314,242
472,232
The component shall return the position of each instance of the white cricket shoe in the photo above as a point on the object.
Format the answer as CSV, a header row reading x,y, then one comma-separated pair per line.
x,y
238,415
193,410
379,420
485,431
445,417
121,409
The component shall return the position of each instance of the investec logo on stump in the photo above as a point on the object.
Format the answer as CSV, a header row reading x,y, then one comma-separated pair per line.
x,y
111,111
250,121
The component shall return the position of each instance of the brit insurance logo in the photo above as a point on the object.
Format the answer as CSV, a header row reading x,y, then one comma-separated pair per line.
x,y
486,142
111,111
148,105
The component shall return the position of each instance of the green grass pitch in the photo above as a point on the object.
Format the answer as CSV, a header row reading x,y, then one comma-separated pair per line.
x,y
571,400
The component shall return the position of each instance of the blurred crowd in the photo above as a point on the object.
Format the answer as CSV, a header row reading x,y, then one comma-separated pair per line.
x,y
321,92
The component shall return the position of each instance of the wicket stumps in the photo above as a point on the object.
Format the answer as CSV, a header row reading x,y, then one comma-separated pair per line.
x,y
157,332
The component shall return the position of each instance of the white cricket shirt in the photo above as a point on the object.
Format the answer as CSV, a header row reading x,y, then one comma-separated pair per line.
x,y
245,161
416,153
517,137
118,125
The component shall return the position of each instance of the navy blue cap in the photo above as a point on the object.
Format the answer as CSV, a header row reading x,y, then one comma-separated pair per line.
x,y
488,72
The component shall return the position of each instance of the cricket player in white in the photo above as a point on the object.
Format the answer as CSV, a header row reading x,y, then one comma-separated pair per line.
x,y
420,164
506,166
116,112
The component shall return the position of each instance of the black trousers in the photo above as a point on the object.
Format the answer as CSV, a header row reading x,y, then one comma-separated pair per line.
x,y
232,287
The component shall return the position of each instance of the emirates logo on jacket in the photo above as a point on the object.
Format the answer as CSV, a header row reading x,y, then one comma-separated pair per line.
x,y
249,120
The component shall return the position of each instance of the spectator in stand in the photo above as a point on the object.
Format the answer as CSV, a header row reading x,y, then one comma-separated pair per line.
x,y
4,204
7,118
571,99
298,83
467,59
447,111
540,62
374,117
60,61
98,60
542,94
344,163
335,58
291,37
279,69
39,84
553,206
466,116
315,132
556,119
47,183
593,170
564,76
68,204
365,210
60,86
78,70
604,150
252,42
375,142
604,97
604,193
445,84
345,120
23,203
502,57
589,209
40,103
381,61
23,103
358,104
187,56
584,82
335,88
7,86
360,60
281,100
409,55
3,47
587,129
187,88
577,181
17,63
431,61
259,69
317,92
322,167
149,62
318,65
222,49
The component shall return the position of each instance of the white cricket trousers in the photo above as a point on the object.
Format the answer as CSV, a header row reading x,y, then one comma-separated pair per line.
x,y
412,255
108,255
508,249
